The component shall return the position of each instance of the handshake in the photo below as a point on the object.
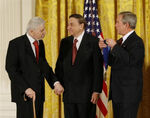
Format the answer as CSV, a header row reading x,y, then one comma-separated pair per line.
x,y
58,88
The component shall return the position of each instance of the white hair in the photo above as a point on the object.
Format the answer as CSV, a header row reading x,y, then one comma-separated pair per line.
x,y
34,23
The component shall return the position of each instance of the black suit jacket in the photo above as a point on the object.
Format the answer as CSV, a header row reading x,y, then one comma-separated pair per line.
x,y
85,76
126,63
23,70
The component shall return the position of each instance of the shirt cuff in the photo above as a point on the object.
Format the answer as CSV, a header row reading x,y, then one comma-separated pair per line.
x,y
96,92
56,83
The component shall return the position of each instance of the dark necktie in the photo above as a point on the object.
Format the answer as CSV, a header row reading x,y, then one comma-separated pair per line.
x,y
74,51
120,41
36,50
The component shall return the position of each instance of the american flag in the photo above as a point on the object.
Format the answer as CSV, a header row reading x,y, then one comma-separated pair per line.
x,y
94,28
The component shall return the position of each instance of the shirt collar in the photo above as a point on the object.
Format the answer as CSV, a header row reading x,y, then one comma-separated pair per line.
x,y
127,35
79,38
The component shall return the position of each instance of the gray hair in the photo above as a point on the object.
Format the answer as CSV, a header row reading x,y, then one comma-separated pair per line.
x,y
129,17
34,23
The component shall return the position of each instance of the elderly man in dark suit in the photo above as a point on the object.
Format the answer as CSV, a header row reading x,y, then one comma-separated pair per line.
x,y
26,66
79,69
126,60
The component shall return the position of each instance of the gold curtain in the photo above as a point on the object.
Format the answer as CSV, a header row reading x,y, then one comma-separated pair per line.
x,y
56,13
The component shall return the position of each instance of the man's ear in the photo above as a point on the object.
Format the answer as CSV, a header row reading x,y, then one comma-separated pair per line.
x,y
30,32
82,26
127,25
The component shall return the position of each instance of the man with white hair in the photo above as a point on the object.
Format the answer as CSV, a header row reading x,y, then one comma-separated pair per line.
x,y
27,67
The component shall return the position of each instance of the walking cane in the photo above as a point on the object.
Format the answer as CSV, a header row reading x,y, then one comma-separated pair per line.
x,y
33,105
34,111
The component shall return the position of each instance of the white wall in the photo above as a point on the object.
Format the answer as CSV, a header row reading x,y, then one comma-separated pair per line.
x,y
14,15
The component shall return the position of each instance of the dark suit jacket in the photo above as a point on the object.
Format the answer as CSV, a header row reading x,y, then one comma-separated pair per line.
x,y
126,63
23,70
86,75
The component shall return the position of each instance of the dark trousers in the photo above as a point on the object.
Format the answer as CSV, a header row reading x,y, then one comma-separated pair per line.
x,y
82,110
125,110
25,108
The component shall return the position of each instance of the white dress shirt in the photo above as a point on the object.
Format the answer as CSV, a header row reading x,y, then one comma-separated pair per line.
x,y
79,38
31,42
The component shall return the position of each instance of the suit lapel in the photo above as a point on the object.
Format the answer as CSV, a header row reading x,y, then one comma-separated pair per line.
x,y
28,48
81,49
128,40
70,49
67,49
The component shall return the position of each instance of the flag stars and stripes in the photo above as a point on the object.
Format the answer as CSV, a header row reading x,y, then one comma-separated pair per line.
x,y
85,15
93,23
99,36
86,8
93,27
97,24
93,16
93,1
89,23
87,1
97,30
88,30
